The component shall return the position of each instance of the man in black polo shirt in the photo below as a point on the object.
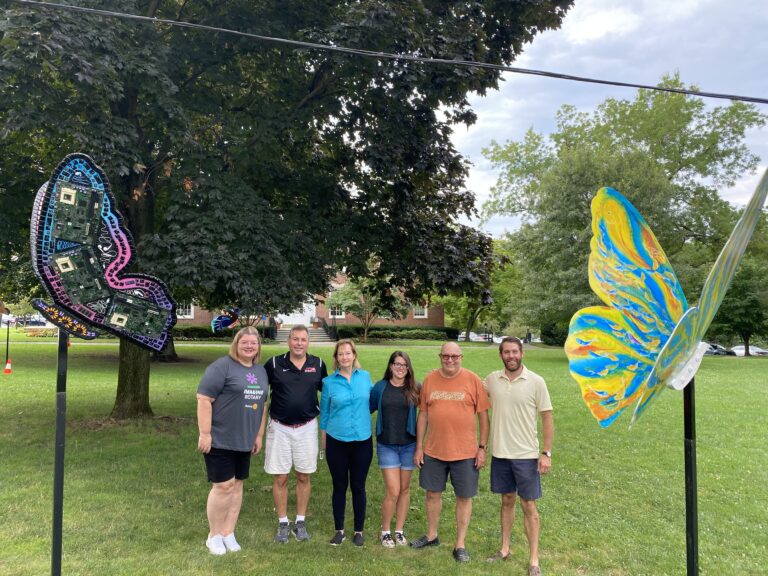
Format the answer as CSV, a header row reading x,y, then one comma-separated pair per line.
x,y
295,378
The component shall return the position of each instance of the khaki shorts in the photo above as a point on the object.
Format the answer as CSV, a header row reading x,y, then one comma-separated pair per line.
x,y
288,447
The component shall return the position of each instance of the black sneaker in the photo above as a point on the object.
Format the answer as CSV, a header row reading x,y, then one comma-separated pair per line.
x,y
460,555
357,539
338,538
424,541
300,531
283,530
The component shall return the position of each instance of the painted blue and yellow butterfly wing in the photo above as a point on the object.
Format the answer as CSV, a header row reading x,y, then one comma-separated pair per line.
x,y
612,349
647,337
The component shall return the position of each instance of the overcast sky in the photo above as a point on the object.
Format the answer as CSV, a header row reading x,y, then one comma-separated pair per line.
x,y
719,46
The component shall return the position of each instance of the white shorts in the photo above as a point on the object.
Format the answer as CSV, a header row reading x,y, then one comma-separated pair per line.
x,y
288,446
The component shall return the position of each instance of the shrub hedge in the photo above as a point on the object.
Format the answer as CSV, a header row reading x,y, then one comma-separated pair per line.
x,y
204,332
398,332
192,332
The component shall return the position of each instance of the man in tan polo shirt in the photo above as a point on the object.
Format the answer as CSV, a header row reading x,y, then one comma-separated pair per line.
x,y
519,397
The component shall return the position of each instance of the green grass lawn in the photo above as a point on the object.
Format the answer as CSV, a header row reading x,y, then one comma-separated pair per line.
x,y
135,491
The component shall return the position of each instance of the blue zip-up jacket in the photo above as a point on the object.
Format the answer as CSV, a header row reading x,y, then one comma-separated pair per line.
x,y
344,412
375,404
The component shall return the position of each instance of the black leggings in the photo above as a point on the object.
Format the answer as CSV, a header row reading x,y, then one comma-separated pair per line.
x,y
348,463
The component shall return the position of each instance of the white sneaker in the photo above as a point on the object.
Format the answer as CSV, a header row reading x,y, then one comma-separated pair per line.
x,y
386,540
230,543
215,545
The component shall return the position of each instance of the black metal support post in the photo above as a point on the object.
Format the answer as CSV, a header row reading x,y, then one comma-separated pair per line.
x,y
58,467
691,506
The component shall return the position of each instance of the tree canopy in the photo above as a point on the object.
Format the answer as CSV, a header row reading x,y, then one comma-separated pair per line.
x,y
249,173
667,153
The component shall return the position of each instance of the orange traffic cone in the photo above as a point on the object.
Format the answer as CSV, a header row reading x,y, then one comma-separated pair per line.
x,y
8,366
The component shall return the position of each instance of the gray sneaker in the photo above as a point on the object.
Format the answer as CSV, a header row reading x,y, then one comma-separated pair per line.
x,y
283,531
300,531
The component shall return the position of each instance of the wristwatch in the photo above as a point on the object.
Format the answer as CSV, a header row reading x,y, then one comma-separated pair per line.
x,y
481,446
547,453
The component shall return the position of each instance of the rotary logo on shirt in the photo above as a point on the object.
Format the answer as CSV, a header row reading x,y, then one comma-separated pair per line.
x,y
253,392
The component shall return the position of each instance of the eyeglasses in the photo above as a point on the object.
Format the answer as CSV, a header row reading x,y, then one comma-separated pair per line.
x,y
452,357
399,365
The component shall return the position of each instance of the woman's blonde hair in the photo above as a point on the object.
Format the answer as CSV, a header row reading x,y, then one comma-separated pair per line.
x,y
247,331
339,344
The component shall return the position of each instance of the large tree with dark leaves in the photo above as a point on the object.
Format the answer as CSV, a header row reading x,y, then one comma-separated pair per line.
x,y
250,172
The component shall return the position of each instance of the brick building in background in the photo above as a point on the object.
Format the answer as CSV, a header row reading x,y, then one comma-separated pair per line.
x,y
310,313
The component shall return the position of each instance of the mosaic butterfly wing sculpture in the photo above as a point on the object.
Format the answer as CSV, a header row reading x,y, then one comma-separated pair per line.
x,y
80,247
646,337
227,319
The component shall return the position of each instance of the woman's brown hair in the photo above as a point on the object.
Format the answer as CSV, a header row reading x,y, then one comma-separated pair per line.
x,y
410,386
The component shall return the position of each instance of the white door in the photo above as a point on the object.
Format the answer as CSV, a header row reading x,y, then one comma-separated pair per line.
x,y
304,315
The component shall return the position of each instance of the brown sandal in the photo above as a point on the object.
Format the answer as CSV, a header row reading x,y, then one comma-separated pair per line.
x,y
498,556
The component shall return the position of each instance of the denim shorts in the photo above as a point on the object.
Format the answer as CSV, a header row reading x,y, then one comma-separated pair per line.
x,y
396,455
521,476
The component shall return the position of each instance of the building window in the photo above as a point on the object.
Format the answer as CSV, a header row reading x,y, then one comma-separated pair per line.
x,y
336,311
419,311
185,311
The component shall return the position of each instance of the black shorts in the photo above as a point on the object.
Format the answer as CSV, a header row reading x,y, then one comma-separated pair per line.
x,y
223,465
464,476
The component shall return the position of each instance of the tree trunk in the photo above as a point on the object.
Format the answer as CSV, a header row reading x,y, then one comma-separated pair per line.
x,y
473,316
168,354
132,399
746,345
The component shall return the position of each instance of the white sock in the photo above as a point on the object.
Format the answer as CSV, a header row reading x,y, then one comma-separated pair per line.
x,y
299,518
384,532
283,520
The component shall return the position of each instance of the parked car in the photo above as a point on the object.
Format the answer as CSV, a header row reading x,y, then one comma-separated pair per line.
x,y
753,350
717,350
474,337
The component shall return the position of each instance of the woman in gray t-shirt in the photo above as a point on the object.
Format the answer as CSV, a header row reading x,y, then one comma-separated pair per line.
x,y
230,416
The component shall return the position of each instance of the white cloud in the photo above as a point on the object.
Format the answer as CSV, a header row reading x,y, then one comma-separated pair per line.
x,y
740,193
590,24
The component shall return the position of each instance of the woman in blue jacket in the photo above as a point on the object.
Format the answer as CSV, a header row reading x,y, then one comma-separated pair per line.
x,y
395,397
345,427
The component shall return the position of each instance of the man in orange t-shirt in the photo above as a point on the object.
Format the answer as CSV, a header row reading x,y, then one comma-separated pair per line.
x,y
452,401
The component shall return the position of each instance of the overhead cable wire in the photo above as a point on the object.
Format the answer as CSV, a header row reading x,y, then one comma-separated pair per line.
x,y
387,55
